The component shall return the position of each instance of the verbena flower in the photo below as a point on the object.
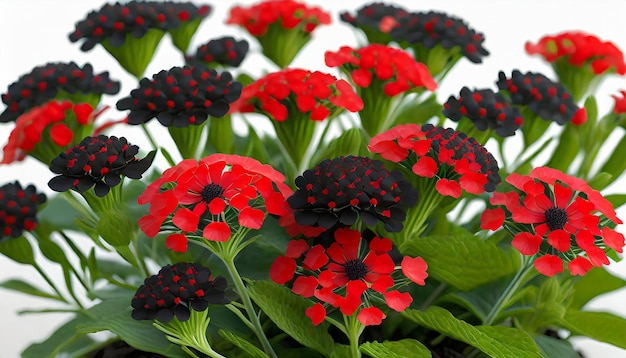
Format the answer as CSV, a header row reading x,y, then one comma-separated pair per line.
x,y
485,109
338,192
176,290
211,198
18,209
223,51
376,20
348,275
181,96
97,162
557,217
56,81
282,27
455,161
45,130
545,98
132,31
578,58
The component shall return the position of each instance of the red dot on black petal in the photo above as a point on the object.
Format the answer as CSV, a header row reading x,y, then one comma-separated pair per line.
x,y
171,104
183,16
124,11
97,31
118,26
139,20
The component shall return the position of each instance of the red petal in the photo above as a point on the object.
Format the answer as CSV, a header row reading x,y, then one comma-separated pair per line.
x,y
382,283
492,219
579,266
315,258
597,256
527,243
304,286
83,113
186,220
216,231
316,313
61,134
295,248
361,77
217,206
549,265
613,239
380,245
176,242
559,239
398,301
415,269
150,225
251,218
282,269
448,187
473,183
425,167
371,316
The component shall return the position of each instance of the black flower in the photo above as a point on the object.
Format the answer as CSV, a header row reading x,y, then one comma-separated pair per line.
x,y
18,209
545,98
55,80
338,191
486,109
225,51
181,96
376,20
175,290
98,161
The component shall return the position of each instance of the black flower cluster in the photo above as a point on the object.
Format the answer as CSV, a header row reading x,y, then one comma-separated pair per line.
x,y
181,96
448,143
545,98
114,21
427,28
175,290
336,192
225,51
97,161
18,209
486,109
45,82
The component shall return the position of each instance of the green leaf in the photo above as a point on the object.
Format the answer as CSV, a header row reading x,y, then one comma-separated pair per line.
x,y
60,338
567,149
252,350
18,249
615,165
601,180
25,287
463,261
595,283
341,351
396,349
616,199
347,143
50,214
496,341
601,326
553,347
480,300
287,310
418,111
52,251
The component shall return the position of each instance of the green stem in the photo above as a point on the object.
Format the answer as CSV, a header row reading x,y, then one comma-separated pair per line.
x,y
49,281
517,281
433,296
191,333
354,329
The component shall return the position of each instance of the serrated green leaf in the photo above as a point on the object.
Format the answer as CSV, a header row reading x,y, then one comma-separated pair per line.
x,y
463,261
601,326
396,349
252,350
286,310
25,287
595,283
480,300
553,347
496,341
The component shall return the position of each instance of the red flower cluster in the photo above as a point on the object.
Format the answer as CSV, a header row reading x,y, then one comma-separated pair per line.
x,y
291,14
316,93
579,49
396,68
43,122
459,162
555,216
346,275
208,197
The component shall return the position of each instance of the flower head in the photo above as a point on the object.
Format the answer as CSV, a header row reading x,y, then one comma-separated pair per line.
x,y
396,68
176,290
555,216
337,192
456,161
486,109
376,20
224,51
46,128
543,97
181,97
18,209
56,81
347,274
211,197
97,161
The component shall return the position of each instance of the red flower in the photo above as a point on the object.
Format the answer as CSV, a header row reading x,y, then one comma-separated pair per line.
x,y
345,274
556,217
458,162
51,124
397,69
209,197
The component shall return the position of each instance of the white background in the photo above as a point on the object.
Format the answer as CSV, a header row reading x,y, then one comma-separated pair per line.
x,y
34,32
